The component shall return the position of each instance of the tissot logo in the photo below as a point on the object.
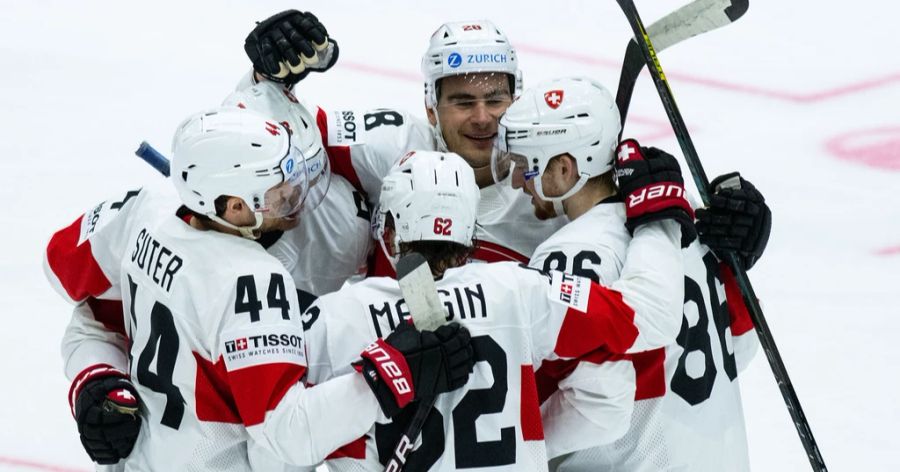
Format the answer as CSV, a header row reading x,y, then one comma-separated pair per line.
x,y
239,344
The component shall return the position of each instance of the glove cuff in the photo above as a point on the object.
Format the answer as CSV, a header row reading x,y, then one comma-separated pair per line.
x,y
383,366
94,372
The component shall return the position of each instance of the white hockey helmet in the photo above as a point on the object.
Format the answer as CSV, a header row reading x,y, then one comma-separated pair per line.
x,y
274,101
464,47
574,115
237,152
431,196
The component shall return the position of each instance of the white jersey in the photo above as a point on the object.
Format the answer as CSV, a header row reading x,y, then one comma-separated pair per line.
x,y
519,320
214,336
364,146
331,244
687,414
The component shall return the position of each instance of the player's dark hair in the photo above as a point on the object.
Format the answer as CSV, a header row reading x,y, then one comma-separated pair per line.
x,y
220,204
441,255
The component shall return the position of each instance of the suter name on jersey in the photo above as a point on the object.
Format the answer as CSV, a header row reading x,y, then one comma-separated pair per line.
x,y
149,256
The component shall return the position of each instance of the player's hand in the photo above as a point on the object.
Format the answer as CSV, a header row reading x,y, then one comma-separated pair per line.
x,y
651,184
410,364
105,405
737,219
286,47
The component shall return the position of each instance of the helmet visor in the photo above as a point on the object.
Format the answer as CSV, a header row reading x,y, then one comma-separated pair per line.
x,y
510,165
288,197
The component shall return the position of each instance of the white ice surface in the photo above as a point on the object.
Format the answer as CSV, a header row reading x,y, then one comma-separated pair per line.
x,y
84,82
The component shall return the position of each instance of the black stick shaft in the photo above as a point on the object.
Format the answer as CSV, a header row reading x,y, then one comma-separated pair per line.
x,y
700,178
408,440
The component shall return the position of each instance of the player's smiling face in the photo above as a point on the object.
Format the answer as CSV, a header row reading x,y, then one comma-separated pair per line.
x,y
469,108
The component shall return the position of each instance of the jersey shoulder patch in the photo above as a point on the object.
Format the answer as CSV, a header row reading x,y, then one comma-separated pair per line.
x,y
570,290
99,216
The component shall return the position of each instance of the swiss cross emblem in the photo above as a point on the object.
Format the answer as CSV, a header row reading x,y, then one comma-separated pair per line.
x,y
123,396
241,344
272,128
625,152
566,288
553,98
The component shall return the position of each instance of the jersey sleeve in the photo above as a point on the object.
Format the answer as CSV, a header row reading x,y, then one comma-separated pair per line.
x,y
743,334
82,260
265,359
590,404
652,284
362,145
88,342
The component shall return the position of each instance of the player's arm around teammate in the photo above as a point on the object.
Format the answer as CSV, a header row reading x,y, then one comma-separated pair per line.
x,y
222,352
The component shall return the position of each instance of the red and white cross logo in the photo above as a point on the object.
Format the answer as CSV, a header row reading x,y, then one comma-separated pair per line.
x,y
554,98
241,344
625,152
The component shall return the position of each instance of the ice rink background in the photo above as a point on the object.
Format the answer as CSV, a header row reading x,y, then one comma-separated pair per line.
x,y
800,96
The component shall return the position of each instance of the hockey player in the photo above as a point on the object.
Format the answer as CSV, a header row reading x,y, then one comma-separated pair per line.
x,y
337,235
561,139
206,372
518,318
471,76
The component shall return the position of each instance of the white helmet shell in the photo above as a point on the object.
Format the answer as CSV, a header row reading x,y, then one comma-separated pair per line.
x,y
432,196
278,103
574,115
237,152
465,47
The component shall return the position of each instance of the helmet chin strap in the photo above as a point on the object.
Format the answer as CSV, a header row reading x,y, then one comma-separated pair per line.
x,y
558,201
438,133
249,232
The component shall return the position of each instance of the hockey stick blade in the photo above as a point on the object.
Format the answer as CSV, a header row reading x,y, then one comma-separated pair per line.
x,y
419,292
153,157
697,17
427,312
766,339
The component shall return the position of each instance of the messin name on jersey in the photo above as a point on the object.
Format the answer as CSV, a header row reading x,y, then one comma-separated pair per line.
x,y
467,302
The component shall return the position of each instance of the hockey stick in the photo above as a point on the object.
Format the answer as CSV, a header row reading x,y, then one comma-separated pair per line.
x,y
693,161
420,294
695,18
153,157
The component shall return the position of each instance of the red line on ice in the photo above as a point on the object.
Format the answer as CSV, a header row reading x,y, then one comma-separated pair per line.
x,y
888,251
4,460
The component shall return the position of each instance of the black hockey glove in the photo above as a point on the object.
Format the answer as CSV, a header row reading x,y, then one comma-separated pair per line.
x,y
737,219
105,405
286,47
650,182
410,364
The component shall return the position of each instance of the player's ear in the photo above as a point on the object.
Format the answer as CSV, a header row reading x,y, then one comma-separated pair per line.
x,y
235,208
569,167
432,118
